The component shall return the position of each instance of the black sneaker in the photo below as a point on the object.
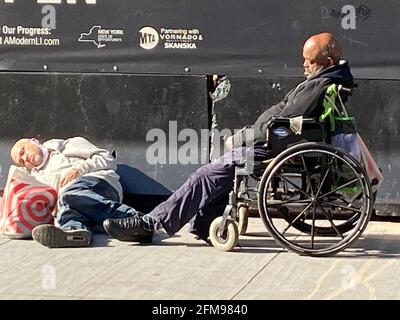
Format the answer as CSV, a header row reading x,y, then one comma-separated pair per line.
x,y
53,237
128,229
203,238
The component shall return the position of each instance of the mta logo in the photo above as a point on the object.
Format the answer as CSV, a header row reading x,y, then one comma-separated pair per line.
x,y
148,38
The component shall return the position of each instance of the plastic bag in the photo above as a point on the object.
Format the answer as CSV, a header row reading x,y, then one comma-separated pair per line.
x,y
373,172
353,144
349,143
26,203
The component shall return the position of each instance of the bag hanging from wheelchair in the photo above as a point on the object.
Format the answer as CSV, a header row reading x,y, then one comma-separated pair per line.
x,y
345,136
342,127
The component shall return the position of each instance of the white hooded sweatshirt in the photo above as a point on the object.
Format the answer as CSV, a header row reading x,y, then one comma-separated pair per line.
x,y
77,153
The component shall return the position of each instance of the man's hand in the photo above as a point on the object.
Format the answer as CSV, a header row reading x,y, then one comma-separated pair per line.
x,y
229,140
229,143
69,176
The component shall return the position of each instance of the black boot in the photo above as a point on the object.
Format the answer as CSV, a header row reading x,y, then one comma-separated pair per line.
x,y
128,229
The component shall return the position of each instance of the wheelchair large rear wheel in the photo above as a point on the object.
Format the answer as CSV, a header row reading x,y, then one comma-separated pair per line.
x,y
321,197
305,227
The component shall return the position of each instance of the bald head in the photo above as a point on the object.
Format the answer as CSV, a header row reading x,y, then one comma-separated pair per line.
x,y
27,153
319,52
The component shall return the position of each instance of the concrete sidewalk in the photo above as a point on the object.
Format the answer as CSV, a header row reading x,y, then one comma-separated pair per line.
x,y
184,268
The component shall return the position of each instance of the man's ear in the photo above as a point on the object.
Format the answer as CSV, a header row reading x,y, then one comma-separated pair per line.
x,y
329,61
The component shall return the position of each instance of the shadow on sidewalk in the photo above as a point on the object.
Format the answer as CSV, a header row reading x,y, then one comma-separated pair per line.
x,y
373,246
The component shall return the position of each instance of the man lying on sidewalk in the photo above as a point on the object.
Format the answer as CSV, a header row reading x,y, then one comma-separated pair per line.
x,y
89,192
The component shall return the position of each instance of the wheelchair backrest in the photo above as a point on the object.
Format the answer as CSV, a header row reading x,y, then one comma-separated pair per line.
x,y
281,133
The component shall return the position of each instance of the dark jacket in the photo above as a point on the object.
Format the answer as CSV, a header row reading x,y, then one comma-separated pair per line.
x,y
306,100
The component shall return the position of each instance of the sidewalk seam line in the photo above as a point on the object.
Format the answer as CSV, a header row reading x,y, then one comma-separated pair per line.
x,y
5,242
256,274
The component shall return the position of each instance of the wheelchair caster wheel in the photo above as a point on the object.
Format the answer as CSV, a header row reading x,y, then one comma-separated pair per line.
x,y
243,215
224,240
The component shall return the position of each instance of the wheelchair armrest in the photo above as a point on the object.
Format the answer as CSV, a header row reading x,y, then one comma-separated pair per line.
x,y
285,123
284,120
280,135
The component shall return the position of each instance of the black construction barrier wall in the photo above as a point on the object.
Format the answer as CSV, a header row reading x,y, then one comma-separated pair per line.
x,y
375,105
113,111
235,37
117,112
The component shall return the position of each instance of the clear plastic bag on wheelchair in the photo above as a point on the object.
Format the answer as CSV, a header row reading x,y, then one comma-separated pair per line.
x,y
349,140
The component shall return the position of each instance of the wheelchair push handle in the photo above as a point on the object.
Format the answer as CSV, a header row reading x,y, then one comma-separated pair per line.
x,y
347,90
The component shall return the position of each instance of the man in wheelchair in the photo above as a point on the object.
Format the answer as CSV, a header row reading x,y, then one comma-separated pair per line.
x,y
211,184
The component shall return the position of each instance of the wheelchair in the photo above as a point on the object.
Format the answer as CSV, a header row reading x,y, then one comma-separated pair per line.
x,y
313,198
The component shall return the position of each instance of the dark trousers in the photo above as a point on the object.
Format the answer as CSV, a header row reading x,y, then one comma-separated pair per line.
x,y
204,195
87,202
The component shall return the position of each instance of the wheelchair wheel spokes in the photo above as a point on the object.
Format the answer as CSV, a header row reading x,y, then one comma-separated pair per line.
x,y
323,181
329,203
348,208
329,217
341,187
309,184
287,182
297,218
